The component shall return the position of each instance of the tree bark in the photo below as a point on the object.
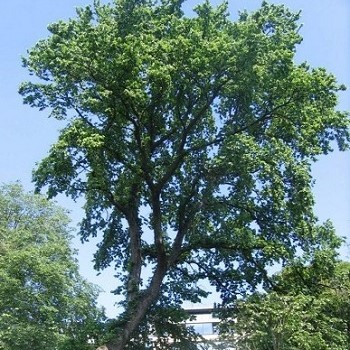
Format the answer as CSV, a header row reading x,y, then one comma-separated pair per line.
x,y
142,306
134,279
141,301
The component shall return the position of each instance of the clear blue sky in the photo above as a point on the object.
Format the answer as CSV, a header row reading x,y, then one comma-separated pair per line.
x,y
26,134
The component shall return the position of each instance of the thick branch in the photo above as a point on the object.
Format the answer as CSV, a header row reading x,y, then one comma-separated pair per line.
x,y
185,216
141,307
181,153
134,278
157,229
222,135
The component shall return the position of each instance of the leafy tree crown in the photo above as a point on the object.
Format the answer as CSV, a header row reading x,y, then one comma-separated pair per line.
x,y
191,139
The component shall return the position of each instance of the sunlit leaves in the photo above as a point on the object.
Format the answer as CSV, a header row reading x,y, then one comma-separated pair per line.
x,y
308,308
43,299
191,140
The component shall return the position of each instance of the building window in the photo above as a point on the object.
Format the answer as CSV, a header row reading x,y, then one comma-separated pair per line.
x,y
202,328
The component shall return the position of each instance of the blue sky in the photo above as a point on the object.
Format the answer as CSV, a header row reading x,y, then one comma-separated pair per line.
x,y
26,134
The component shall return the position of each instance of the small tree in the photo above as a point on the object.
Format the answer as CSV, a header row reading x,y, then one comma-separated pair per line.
x,y
308,307
44,302
191,140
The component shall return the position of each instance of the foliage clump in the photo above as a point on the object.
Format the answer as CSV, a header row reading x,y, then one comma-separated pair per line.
x,y
191,140
308,307
44,302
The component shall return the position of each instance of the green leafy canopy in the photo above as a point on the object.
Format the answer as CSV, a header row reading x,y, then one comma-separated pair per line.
x,y
308,308
191,139
44,302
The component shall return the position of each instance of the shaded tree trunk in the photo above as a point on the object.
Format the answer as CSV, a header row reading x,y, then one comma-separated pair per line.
x,y
140,310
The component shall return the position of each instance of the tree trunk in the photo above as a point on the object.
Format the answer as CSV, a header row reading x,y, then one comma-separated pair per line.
x,y
133,283
141,309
